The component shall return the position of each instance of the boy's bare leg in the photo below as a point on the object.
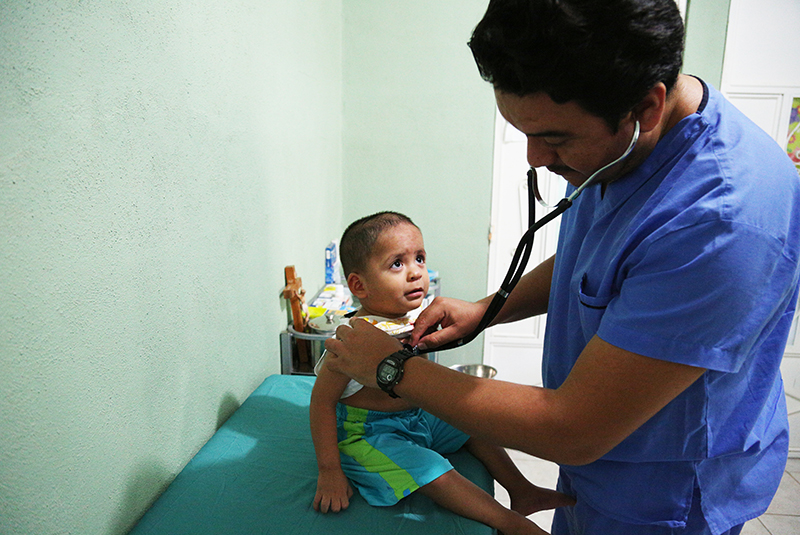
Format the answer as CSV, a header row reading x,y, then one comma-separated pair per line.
x,y
461,496
526,498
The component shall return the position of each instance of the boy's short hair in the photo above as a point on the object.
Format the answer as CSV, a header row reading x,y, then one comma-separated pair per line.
x,y
355,247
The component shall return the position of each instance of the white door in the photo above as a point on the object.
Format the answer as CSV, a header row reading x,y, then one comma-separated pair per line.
x,y
515,350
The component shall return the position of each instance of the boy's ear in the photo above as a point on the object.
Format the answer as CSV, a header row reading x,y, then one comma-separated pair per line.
x,y
356,284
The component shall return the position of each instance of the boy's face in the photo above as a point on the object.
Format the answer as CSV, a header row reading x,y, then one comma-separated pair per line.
x,y
396,279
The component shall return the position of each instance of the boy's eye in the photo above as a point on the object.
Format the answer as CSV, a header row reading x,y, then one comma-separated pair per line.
x,y
421,259
397,263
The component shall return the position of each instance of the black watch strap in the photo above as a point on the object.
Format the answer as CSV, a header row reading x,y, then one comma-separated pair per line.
x,y
390,370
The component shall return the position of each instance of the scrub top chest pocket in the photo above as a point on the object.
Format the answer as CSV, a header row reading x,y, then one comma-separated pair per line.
x,y
592,305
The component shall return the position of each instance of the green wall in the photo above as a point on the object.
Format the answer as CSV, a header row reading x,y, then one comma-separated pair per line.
x,y
418,134
160,164
706,31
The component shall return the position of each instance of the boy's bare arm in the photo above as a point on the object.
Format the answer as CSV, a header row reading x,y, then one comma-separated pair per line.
x,y
333,489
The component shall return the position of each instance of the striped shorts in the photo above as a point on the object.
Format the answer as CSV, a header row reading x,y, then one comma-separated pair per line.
x,y
389,455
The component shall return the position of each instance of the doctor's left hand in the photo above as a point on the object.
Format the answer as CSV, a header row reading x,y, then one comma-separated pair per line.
x,y
358,349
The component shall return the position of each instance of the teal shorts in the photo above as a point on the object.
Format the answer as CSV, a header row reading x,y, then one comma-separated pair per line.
x,y
389,455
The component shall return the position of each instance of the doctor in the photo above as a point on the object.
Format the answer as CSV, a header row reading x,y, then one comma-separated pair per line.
x,y
670,297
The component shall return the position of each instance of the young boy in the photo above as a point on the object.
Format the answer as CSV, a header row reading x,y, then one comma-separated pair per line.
x,y
384,445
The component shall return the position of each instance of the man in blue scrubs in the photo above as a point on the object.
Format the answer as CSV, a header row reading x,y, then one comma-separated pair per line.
x,y
670,297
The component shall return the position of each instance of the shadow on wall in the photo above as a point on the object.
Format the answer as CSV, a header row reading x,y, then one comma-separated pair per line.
x,y
227,406
151,478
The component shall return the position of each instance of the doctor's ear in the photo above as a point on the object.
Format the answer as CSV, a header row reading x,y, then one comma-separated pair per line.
x,y
356,284
650,109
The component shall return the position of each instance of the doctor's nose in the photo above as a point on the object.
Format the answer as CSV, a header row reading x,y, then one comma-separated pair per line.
x,y
540,154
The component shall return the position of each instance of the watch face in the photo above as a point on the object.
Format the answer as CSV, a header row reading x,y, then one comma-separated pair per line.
x,y
387,373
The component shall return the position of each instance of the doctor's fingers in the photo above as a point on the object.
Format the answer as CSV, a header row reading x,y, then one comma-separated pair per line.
x,y
347,336
455,317
440,337
429,320
367,342
334,346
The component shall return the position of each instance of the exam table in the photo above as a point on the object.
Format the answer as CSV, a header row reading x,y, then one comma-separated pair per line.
x,y
257,475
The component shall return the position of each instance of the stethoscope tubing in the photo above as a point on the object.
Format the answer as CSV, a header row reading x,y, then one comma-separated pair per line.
x,y
523,252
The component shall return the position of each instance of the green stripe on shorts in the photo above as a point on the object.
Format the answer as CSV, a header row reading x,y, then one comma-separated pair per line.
x,y
371,459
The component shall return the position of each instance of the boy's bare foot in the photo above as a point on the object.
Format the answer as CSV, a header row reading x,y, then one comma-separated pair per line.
x,y
539,499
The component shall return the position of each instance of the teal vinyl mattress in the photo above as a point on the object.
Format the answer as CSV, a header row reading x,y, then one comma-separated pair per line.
x,y
257,475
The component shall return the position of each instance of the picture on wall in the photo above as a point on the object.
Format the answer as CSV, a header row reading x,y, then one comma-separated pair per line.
x,y
793,139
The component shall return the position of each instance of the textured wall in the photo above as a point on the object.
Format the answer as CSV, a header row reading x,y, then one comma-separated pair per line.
x,y
157,164
418,133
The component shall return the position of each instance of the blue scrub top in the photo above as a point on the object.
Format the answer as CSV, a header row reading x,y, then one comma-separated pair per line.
x,y
691,258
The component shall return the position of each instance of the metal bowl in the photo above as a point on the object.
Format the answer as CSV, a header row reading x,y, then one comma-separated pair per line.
x,y
326,324
478,370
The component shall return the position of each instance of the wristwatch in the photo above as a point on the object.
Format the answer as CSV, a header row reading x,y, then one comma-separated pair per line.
x,y
390,370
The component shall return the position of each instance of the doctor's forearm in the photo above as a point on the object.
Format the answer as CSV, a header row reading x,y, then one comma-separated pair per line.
x,y
608,394
520,417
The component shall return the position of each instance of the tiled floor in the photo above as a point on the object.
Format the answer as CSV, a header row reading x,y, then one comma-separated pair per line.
x,y
782,517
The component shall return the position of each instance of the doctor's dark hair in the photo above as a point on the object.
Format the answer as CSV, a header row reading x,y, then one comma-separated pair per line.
x,y
358,240
603,54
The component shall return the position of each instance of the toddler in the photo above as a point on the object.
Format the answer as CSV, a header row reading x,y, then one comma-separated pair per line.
x,y
386,447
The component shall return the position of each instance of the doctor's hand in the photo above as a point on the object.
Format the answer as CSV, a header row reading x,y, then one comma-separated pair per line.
x,y
456,318
358,349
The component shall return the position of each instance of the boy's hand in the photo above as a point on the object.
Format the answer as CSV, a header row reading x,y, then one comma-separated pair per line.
x,y
333,491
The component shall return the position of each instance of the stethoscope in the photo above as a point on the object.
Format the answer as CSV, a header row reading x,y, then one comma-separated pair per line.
x,y
523,252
